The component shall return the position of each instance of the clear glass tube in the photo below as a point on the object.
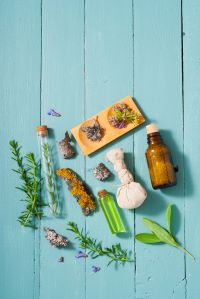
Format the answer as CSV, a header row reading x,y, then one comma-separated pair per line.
x,y
47,170
111,213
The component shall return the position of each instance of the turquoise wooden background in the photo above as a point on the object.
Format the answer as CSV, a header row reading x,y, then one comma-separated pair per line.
x,y
78,56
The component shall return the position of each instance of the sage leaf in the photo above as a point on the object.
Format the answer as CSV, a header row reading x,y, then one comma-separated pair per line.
x,y
162,234
168,217
147,238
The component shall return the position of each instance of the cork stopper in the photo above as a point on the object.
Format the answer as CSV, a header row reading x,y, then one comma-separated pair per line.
x,y
42,130
152,128
102,193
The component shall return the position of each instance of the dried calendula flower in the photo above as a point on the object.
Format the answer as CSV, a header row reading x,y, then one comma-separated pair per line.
x,y
78,189
54,238
101,172
65,147
93,131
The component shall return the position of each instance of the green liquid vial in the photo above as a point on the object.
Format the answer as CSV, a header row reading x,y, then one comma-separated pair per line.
x,y
111,213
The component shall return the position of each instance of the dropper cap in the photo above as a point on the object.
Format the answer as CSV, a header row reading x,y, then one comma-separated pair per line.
x,y
42,130
152,128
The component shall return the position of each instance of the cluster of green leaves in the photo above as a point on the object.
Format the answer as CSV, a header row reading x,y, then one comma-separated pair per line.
x,y
115,253
50,180
30,178
159,234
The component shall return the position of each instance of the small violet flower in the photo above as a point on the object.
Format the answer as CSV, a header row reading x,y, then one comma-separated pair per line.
x,y
81,254
52,112
95,269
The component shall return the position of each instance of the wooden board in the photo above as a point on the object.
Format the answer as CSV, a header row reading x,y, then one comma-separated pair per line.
x,y
109,132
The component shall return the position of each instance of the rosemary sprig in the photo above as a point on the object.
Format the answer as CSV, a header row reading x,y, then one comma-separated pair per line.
x,y
115,253
29,175
50,180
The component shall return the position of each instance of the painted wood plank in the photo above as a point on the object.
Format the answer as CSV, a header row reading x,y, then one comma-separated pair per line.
x,y
191,51
109,77
20,111
158,86
63,90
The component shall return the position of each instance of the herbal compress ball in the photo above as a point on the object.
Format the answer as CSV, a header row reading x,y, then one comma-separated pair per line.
x,y
78,189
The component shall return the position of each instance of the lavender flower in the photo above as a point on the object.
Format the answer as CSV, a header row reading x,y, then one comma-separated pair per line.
x,y
52,112
95,269
81,254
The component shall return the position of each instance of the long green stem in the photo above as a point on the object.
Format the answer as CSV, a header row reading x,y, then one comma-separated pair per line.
x,y
30,185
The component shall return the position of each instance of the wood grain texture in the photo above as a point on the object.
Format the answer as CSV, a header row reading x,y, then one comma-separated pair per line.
x,y
78,57
191,56
158,85
62,90
20,110
107,61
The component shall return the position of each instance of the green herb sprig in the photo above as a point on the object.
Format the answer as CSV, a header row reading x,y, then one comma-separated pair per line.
x,y
160,234
115,253
29,175
50,180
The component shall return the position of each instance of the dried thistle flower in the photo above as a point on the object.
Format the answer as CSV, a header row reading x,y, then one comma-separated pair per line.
x,y
54,238
78,189
101,172
94,131
65,147
122,115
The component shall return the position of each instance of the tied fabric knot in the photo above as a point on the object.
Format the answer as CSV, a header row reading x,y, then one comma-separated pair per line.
x,y
130,194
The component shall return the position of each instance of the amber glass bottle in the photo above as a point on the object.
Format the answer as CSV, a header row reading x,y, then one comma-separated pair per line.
x,y
159,160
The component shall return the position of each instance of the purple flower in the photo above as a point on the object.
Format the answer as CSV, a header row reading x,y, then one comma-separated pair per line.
x,y
52,112
95,269
81,254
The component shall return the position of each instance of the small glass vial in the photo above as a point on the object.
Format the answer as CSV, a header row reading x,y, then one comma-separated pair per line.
x,y
159,160
111,213
47,169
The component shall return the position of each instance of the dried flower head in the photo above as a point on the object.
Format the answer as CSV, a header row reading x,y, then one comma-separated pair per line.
x,y
78,189
93,131
65,147
54,238
101,172
122,115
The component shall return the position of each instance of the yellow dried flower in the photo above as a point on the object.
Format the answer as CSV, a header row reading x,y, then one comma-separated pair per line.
x,y
78,189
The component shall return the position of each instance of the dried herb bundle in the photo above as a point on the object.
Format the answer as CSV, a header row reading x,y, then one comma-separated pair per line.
x,y
122,115
29,175
54,238
78,190
115,253
65,147
101,172
160,234
93,131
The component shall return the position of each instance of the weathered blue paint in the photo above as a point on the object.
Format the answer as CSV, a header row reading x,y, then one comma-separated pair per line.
x,y
77,57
